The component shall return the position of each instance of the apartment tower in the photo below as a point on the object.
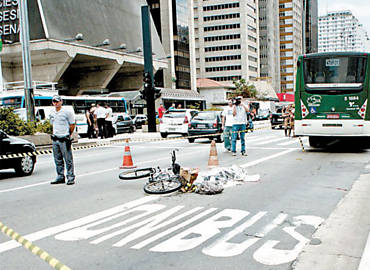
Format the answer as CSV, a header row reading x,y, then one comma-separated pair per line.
x,y
291,41
341,31
226,43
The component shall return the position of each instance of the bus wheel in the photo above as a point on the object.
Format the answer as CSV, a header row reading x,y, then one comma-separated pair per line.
x,y
315,142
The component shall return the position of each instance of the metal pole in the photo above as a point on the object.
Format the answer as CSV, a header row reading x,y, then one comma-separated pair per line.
x,y
148,67
26,59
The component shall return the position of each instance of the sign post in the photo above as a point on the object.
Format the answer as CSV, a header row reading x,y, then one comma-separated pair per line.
x,y
1,70
25,39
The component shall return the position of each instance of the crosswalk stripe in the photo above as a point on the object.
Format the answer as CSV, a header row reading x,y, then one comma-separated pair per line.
x,y
259,138
289,142
271,141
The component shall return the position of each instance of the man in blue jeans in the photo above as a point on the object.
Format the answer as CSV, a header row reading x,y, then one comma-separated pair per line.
x,y
239,124
227,124
63,121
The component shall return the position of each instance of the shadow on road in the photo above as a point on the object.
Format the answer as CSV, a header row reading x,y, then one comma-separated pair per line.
x,y
347,145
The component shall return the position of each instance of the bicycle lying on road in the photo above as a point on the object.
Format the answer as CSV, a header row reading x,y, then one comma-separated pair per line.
x,y
160,181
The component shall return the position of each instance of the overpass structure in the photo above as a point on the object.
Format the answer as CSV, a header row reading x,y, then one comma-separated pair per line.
x,y
78,65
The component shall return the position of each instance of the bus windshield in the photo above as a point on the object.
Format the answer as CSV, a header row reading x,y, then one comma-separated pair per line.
x,y
334,71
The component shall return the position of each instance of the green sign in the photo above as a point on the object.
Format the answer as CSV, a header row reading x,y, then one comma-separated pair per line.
x,y
1,44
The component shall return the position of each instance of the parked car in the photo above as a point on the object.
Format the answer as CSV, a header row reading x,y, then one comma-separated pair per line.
x,y
123,123
277,118
140,120
176,122
263,114
13,145
206,123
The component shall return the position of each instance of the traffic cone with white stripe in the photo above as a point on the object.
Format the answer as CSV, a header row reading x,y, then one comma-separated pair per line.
x,y
213,159
127,159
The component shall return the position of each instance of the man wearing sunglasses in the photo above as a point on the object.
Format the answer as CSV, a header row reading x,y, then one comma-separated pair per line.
x,y
63,121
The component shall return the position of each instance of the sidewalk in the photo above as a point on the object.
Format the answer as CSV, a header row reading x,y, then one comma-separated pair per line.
x,y
341,239
136,135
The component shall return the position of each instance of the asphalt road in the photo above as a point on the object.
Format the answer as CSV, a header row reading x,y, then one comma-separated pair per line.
x,y
276,223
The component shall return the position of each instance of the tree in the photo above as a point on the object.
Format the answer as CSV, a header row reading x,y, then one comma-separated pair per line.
x,y
244,89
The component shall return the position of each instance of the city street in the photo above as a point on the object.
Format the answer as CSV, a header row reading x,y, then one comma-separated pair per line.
x,y
291,219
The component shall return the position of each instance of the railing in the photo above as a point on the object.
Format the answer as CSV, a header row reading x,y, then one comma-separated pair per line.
x,y
36,85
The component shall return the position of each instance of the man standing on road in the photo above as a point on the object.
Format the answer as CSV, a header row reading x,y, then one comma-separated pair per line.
x,y
108,121
239,124
63,121
227,124
100,115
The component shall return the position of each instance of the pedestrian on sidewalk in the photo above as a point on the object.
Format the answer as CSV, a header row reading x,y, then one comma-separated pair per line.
x,y
100,115
161,111
63,122
286,118
239,124
108,121
227,124
91,122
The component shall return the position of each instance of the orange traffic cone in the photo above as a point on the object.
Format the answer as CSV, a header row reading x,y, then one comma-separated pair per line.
x,y
127,160
213,159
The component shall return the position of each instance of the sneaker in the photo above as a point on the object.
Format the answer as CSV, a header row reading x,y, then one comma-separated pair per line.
x,y
244,154
58,181
71,182
234,154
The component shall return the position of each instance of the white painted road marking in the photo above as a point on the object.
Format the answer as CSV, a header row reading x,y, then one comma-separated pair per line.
x,y
76,223
141,224
255,162
365,258
271,141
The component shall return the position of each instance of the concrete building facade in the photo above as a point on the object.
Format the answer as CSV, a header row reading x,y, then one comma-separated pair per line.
x,y
310,32
269,42
291,41
76,65
341,31
225,40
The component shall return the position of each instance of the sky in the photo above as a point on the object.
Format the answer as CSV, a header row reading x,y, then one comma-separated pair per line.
x,y
360,8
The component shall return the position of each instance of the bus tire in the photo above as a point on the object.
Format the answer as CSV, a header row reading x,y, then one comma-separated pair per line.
x,y
314,142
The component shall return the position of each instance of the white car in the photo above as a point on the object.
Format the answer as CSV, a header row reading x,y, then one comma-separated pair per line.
x,y
176,122
140,120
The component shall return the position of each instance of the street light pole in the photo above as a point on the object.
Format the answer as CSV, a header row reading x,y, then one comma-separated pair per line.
x,y
26,59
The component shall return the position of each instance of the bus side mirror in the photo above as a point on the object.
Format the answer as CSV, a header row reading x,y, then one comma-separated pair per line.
x,y
298,64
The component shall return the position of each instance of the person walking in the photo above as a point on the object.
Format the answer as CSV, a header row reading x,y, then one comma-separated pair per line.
x,y
108,121
285,115
227,124
161,111
63,122
239,125
100,116
91,122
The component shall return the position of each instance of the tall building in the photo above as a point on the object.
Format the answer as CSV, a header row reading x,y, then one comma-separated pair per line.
x,y
310,26
269,42
341,31
225,40
171,18
291,41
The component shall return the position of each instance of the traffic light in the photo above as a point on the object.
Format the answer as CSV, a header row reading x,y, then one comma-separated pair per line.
x,y
143,94
147,80
157,93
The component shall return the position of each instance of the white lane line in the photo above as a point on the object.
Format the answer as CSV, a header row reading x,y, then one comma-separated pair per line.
x,y
289,142
365,258
77,223
255,162
271,141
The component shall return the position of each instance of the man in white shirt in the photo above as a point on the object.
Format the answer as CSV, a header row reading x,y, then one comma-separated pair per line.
x,y
239,124
108,121
63,121
100,115
227,124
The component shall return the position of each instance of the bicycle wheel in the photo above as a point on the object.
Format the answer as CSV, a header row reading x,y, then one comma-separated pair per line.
x,y
163,186
136,173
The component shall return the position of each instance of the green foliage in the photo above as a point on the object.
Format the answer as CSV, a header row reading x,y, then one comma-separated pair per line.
x,y
11,124
195,106
44,127
244,89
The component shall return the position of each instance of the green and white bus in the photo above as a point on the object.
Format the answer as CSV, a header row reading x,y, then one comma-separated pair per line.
x,y
331,96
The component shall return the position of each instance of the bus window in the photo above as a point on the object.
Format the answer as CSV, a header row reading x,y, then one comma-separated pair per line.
x,y
338,70
15,102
